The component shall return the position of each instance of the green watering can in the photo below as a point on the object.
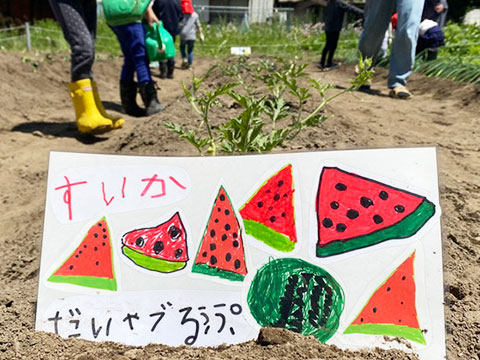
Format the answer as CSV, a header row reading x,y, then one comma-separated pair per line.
x,y
159,43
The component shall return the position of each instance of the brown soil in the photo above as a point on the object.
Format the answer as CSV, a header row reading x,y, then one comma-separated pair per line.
x,y
36,116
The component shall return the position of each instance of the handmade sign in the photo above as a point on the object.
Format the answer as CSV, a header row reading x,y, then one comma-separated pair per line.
x,y
344,246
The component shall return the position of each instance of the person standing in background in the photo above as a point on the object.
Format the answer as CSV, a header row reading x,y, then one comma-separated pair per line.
x,y
402,58
333,16
436,10
78,20
188,36
170,13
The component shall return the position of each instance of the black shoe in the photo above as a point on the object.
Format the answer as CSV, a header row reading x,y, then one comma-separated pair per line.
x,y
320,66
331,66
149,97
170,68
128,96
163,70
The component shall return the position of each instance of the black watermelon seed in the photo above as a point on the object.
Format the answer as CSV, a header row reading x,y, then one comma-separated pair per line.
x,y
341,227
95,248
399,208
285,195
377,219
401,302
95,235
71,267
227,227
284,214
80,251
228,257
260,204
276,197
85,246
270,208
76,256
99,224
352,214
374,310
104,230
219,209
327,222
341,187
334,205
361,319
213,260
235,235
204,254
96,263
272,219
403,277
383,195
388,288
213,247
158,247
224,237
105,236
237,264
280,183
222,197
174,232
212,233
139,241
227,212
268,191
366,202
178,253
235,243
104,243
216,220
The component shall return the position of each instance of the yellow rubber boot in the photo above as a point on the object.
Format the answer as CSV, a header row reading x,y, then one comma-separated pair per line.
x,y
89,119
116,120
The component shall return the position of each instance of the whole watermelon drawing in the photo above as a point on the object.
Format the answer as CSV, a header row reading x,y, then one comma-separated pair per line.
x,y
91,264
296,295
269,214
162,248
391,310
354,212
221,250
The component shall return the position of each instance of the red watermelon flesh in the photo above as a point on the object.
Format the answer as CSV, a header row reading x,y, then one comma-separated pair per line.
x,y
391,309
162,248
91,263
221,250
269,214
355,212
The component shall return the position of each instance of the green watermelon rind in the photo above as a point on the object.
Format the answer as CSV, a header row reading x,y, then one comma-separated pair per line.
x,y
87,281
151,263
403,229
213,271
388,330
269,236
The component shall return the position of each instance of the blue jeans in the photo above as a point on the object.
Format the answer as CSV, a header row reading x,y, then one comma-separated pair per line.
x,y
132,41
188,44
377,18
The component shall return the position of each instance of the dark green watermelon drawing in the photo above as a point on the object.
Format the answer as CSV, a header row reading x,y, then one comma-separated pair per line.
x,y
296,295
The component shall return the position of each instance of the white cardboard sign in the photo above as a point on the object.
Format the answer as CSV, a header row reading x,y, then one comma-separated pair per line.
x,y
201,251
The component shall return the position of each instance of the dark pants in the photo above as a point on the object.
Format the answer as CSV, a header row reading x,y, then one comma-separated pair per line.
x,y
78,20
186,49
330,47
132,41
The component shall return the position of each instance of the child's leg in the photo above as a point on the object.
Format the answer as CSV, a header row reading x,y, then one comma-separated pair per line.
x,y
128,68
190,45
183,45
334,35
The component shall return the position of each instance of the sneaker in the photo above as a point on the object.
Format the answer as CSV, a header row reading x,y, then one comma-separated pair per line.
x,y
320,66
185,64
331,67
400,92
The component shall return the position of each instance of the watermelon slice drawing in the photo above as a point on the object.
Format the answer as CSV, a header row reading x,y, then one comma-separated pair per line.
x,y
354,212
162,248
221,250
391,309
269,214
91,264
